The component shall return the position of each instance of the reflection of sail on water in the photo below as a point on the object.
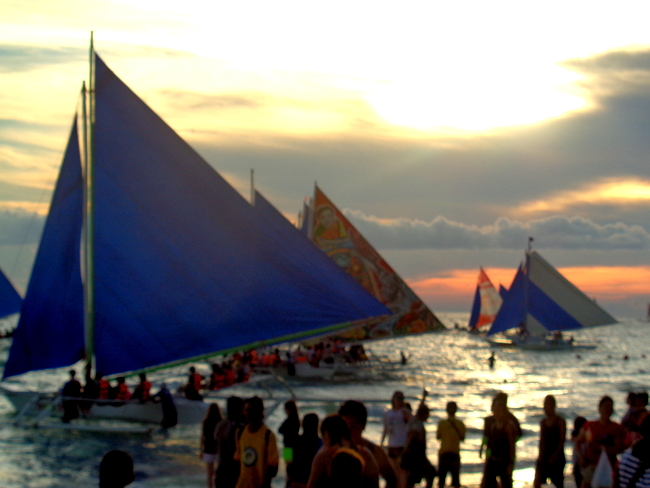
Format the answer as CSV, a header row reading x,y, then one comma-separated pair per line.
x,y
487,302
543,300
183,266
340,240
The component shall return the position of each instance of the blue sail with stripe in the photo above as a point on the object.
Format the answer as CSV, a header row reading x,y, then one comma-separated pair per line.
x,y
542,300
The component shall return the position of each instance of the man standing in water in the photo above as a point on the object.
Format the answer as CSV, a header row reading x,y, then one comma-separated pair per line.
x,y
355,416
500,434
551,460
451,432
598,435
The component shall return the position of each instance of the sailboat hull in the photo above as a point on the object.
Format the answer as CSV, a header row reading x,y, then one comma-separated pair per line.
x,y
542,344
189,412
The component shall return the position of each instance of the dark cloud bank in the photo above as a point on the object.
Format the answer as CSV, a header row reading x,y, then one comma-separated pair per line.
x,y
554,232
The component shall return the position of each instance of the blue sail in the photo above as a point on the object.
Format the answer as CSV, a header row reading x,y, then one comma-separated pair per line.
x,y
184,266
50,332
513,309
10,300
476,309
328,281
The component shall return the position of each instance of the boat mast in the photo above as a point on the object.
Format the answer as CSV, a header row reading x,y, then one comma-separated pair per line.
x,y
527,281
89,135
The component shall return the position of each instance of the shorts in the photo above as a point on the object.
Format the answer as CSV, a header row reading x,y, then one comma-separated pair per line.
x,y
208,458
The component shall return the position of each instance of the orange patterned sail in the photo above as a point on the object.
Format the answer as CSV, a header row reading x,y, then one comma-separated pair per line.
x,y
336,236
490,300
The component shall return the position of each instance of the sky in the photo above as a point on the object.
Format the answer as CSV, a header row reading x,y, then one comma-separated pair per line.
x,y
448,132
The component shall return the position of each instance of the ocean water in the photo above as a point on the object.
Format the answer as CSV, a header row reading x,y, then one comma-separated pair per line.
x,y
452,365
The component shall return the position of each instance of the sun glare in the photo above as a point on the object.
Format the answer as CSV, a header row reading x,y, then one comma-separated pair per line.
x,y
608,192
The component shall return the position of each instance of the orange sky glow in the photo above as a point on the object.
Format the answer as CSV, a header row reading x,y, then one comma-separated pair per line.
x,y
600,282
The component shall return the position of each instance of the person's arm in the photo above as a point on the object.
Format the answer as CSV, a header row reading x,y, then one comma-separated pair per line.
x,y
580,443
385,469
318,470
483,440
438,433
385,431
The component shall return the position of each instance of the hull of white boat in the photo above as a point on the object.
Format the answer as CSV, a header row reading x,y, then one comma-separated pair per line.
x,y
189,412
542,344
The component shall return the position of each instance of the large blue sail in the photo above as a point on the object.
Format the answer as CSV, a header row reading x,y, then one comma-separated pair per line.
x,y
10,300
50,331
328,282
183,265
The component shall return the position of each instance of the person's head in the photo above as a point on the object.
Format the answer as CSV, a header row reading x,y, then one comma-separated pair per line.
x,y
290,408
606,407
642,399
422,413
577,425
397,401
452,408
355,415
98,376
234,407
631,398
310,425
116,470
347,466
213,413
192,370
334,431
502,397
121,380
254,410
499,410
73,373
143,377
549,405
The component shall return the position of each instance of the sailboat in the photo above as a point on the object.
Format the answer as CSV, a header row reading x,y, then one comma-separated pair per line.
x,y
540,305
177,266
333,234
487,302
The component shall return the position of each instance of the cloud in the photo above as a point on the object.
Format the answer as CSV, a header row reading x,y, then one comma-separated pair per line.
x,y
16,58
19,227
554,232
611,191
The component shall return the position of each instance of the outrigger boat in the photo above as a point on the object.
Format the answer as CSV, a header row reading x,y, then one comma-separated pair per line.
x,y
540,306
177,266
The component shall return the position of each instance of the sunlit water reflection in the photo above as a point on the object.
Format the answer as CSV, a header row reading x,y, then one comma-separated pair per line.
x,y
452,365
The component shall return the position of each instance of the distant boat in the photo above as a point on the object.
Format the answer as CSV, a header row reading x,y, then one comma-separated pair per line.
x,y
487,302
540,305
179,266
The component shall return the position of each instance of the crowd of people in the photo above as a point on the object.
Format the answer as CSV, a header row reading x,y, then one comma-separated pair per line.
x,y
240,451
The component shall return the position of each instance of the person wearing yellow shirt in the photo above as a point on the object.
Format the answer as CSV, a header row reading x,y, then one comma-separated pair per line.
x,y
451,432
256,448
